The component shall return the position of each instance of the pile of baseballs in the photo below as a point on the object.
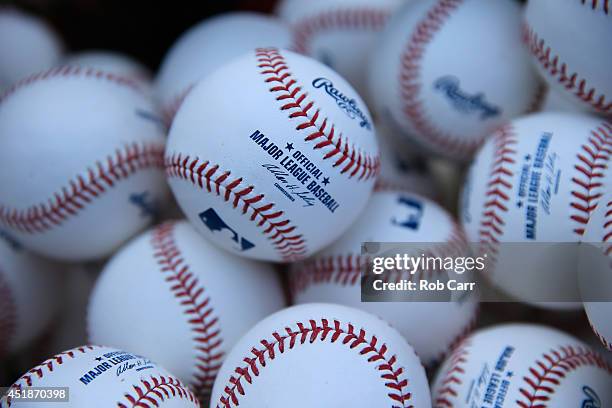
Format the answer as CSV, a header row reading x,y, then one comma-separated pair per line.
x,y
199,237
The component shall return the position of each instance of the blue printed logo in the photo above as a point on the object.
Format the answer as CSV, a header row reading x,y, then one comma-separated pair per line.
x,y
413,218
214,223
592,399
463,102
148,207
349,106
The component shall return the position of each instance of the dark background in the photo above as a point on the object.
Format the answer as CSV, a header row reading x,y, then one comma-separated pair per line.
x,y
144,30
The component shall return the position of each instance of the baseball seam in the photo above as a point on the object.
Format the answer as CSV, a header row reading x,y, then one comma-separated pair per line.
x,y
595,4
154,391
410,85
185,286
590,172
8,316
499,186
84,188
369,19
47,366
210,177
310,332
556,68
320,131
71,71
452,376
551,368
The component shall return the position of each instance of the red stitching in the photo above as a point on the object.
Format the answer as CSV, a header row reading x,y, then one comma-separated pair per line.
x,y
410,86
362,19
498,189
196,304
83,189
71,71
595,4
319,129
8,315
452,376
558,69
209,177
551,369
47,366
154,391
591,170
310,332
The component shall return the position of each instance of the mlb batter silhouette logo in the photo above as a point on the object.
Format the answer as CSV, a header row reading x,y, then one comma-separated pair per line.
x,y
411,219
214,223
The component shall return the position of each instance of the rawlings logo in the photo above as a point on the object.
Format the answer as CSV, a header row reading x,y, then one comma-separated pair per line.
x,y
592,399
464,102
349,106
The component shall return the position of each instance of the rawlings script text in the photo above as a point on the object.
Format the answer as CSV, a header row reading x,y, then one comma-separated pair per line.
x,y
464,102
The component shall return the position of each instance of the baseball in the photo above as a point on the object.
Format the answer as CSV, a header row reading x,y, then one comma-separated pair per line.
x,y
27,45
82,156
570,46
281,164
320,354
334,274
102,376
29,295
339,33
192,298
595,270
536,182
209,45
448,72
521,365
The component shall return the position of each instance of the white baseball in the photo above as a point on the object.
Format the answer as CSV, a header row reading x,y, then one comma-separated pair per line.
x,y
111,61
334,274
595,269
524,366
570,46
536,181
104,377
448,72
27,45
29,290
209,45
321,355
280,164
339,33
191,300
82,158
400,170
